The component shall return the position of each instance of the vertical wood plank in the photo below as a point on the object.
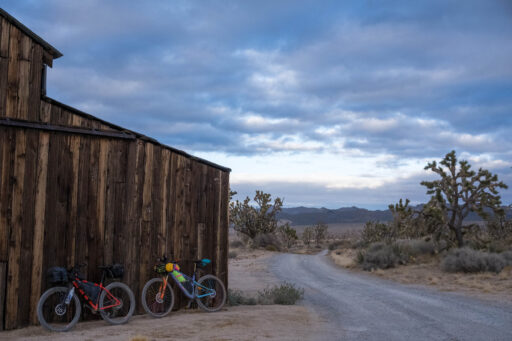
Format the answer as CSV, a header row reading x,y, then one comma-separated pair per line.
x,y
101,200
94,256
45,112
135,182
4,64
11,106
171,212
39,223
82,221
11,309
218,241
36,69
74,147
8,142
224,226
3,278
147,215
24,77
164,188
27,234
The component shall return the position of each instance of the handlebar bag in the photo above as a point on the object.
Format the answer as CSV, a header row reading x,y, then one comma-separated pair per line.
x,y
57,275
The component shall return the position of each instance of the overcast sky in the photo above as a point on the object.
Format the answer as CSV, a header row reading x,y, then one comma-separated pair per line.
x,y
324,103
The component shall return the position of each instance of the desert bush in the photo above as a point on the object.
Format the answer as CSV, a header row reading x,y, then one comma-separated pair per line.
x,y
286,294
267,241
416,247
378,256
232,254
237,297
344,243
495,262
507,257
236,244
469,260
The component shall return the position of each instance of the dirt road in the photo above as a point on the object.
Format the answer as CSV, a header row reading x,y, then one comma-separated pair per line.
x,y
362,307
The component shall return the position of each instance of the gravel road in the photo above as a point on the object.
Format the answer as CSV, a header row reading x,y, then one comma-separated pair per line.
x,y
362,307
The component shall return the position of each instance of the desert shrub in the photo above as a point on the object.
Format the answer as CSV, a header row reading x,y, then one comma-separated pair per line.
x,y
232,254
272,248
495,262
507,257
344,243
267,241
237,297
416,247
236,244
469,260
286,294
378,256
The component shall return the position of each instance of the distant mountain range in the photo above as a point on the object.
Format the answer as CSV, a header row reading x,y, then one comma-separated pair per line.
x,y
310,215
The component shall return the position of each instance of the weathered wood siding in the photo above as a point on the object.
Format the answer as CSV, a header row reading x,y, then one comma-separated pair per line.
x,y
67,198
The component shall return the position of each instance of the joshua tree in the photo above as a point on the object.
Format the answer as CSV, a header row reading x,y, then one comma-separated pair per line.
x,y
252,221
462,190
288,234
319,232
307,235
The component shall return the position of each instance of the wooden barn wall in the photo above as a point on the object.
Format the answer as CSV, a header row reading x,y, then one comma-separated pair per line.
x,y
67,199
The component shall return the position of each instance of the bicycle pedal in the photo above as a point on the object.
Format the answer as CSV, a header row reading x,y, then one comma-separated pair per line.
x,y
189,304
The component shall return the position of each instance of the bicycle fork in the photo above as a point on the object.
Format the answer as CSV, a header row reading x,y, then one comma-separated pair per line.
x,y
69,296
163,286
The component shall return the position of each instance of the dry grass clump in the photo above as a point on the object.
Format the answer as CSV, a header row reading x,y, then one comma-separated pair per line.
x,y
237,297
469,261
286,294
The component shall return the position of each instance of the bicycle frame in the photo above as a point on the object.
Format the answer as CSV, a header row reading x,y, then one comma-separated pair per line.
x,y
209,292
95,305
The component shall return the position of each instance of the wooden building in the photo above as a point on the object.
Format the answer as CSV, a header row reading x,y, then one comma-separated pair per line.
x,y
74,188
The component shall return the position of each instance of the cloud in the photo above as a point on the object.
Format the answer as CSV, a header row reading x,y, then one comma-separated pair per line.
x,y
376,87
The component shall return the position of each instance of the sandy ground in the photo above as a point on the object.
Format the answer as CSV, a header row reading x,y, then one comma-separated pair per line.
x,y
484,285
247,272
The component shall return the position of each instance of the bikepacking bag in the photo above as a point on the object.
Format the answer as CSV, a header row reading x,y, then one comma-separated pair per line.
x,y
57,275
90,290
117,271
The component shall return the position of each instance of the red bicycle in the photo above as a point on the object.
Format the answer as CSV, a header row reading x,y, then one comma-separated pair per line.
x,y
59,308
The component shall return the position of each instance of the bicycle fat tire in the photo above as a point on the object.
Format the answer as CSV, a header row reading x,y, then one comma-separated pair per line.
x,y
208,281
106,314
152,307
40,314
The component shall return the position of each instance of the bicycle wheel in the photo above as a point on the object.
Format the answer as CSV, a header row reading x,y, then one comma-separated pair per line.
x,y
153,302
54,314
109,310
214,302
